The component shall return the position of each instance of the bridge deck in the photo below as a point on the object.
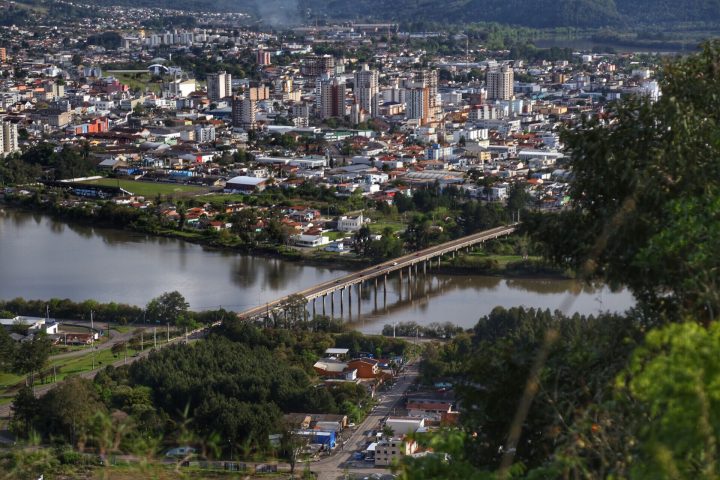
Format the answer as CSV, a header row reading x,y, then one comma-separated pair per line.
x,y
383,269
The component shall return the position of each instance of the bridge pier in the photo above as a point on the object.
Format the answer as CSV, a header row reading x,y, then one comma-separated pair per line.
x,y
416,269
350,299
342,294
313,307
385,289
425,267
323,305
376,292
359,297
332,304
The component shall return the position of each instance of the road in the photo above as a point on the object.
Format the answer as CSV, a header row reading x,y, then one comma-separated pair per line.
x,y
334,466
382,269
5,410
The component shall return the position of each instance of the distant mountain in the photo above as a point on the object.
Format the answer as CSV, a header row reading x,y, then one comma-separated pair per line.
x,y
531,13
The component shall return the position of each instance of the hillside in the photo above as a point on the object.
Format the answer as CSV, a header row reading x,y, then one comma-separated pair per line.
x,y
530,13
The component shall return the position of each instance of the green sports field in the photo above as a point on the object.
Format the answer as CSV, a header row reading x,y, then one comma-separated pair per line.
x,y
149,189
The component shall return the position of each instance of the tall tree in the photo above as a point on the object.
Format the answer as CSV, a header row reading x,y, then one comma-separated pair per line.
x,y
167,308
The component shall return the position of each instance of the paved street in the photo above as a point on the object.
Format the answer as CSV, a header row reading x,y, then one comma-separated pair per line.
x,y
333,467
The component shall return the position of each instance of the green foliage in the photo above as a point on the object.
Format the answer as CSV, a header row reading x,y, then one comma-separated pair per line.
x,y
650,223
673,378
169,307
32,356
67,410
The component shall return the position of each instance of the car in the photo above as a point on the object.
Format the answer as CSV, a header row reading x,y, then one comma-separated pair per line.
x,y
394,263
351,425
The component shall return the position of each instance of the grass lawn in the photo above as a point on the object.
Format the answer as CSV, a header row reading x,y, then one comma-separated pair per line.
x,y
334,235
149,189
502,260
221,199
380,225
138,81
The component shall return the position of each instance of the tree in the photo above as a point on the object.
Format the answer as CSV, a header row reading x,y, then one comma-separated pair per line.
x,y
26,412
7,351
68,409
32,356
167,308
361,240
673,378
658,162
292,445
417,235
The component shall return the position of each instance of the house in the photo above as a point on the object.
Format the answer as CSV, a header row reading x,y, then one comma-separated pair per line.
x,y
390,451
350,224
330,367
32,324
310,240
429,409
366,367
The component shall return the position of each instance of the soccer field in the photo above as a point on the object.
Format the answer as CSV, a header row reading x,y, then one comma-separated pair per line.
x,y
149,189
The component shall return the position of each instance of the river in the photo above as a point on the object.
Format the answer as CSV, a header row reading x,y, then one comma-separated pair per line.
x,y
42,258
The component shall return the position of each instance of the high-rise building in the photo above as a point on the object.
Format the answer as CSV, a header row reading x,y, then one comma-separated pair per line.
x,y
243,113
219,86
500,83
317,66
418,104
367,91
332,99
263,57
426,80
259,92
8,137
3,55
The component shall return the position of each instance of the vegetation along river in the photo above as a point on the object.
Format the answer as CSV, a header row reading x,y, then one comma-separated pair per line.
x,y
42,258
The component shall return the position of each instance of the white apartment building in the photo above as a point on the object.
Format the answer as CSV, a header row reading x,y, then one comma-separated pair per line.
x,y
219,86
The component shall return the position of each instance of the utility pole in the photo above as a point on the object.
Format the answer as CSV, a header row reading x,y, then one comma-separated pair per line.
x,y
92,339
168,332
154,337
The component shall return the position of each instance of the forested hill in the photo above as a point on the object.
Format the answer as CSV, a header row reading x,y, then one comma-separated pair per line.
x,y
531,13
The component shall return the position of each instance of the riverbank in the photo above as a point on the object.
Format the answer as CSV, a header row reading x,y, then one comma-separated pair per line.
x,y
461,265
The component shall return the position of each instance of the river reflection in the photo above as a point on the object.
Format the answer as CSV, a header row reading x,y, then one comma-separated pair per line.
x,y
42,258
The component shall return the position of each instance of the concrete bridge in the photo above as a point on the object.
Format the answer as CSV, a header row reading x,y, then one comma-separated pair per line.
x,y
316,299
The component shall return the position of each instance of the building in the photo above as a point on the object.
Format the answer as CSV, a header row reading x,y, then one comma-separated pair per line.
x,y
418,104
367,91
244,184
32,324
332,99
244,111
350,224
404,425
310,241
391,451
204,133
219,86
8,137
263,57
261,92
500,83
180,88
316,66
3,54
